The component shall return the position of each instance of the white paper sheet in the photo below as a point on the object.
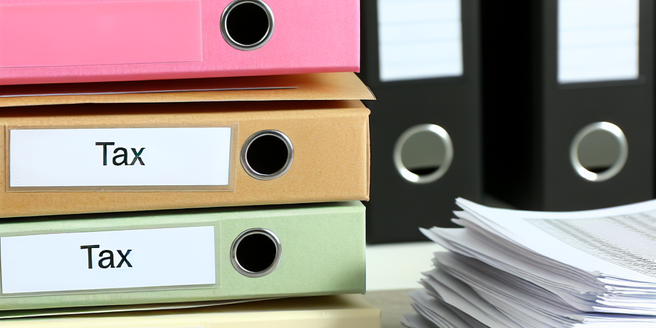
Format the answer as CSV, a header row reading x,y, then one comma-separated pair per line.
x,y
522,231
510,268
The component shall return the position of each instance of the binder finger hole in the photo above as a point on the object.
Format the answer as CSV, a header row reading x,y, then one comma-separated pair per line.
x,y
599,151
267,155
247,24
423,153
255,252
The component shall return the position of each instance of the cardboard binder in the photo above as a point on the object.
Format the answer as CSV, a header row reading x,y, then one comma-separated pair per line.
x,y
557,71
183,256
351,311
89,158
91,41
421,60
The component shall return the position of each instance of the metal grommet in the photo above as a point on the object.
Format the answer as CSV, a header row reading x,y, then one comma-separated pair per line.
x,y
447,155
264,166
236,38
617,165
248,249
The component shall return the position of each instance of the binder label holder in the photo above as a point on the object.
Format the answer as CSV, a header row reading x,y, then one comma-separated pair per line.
x,y
598,40
121,158
419,39
142,258
100,33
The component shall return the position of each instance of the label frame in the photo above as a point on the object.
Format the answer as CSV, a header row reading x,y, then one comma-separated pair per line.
x,y
217,262
232,164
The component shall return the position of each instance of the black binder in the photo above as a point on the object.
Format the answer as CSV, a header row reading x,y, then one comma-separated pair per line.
x,y
412,108
538,115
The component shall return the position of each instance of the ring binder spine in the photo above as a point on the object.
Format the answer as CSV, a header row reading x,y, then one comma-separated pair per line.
x,y
419,87
329,166
71,41
183,256
530,143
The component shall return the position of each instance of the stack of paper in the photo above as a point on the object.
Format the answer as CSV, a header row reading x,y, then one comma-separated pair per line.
x,y
510,268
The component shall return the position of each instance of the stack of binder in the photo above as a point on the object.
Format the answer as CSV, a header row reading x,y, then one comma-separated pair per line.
x,y
165,152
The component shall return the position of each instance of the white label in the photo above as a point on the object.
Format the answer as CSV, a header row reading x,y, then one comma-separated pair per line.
x,y
107,260
598,40
419,39
119,157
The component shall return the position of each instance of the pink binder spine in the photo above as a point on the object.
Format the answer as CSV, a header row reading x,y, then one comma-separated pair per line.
x,y
62,41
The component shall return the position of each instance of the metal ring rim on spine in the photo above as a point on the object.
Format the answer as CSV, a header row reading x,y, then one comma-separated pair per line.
x,y
448,156
262,176
234,43
235,245
621,158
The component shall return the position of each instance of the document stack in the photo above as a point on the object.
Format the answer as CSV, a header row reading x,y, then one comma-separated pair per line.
x,y
176,155
510,268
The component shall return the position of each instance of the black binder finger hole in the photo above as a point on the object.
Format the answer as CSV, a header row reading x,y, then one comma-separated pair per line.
x,y
255,252
247,24
599,151
267,154
423,153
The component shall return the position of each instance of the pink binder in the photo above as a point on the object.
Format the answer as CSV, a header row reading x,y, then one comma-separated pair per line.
x,y
63,41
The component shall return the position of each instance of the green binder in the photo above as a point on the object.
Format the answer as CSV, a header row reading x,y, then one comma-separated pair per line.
x,y
181,256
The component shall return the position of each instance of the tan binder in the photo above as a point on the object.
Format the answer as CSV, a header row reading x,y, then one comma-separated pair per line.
x,y
326,145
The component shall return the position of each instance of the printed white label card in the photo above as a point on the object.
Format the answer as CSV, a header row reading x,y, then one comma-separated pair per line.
x,y
419,39
598,40
108,260
120,157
